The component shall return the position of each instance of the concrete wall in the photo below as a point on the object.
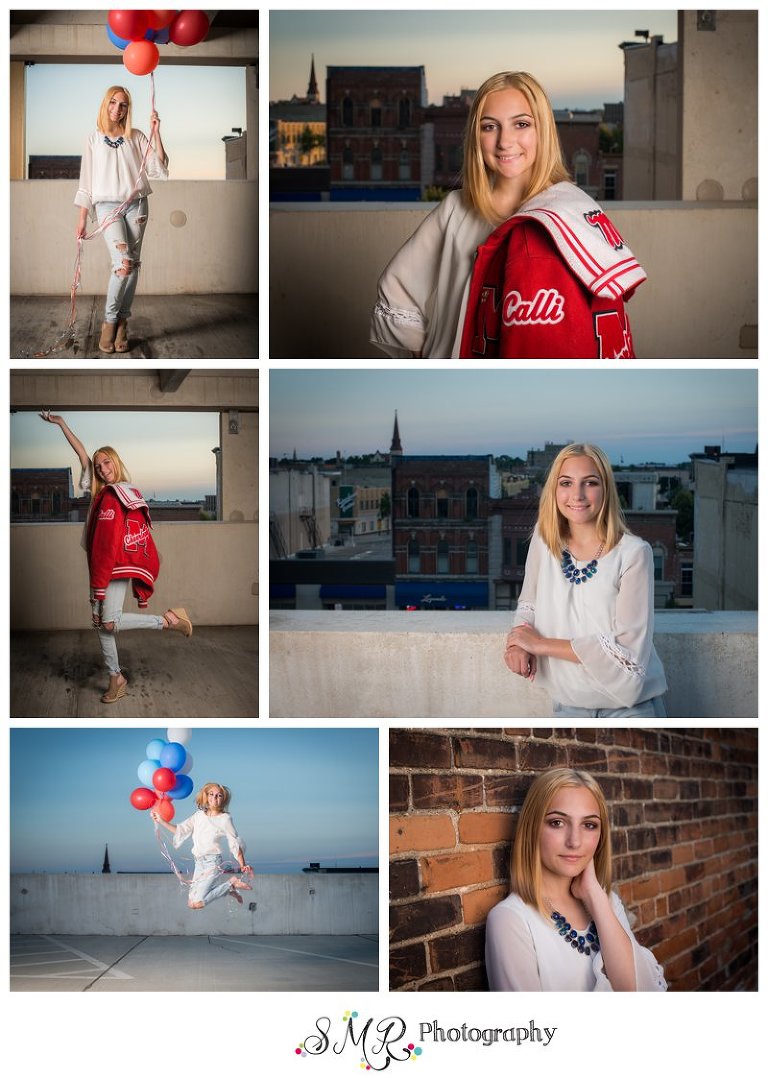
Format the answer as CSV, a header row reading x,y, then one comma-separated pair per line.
x,y
125,389
428,665
725,566
719,96
701,261
155,905
211,568
212,247
651,162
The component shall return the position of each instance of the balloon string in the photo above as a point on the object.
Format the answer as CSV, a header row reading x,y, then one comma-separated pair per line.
x,y
219,870
68,337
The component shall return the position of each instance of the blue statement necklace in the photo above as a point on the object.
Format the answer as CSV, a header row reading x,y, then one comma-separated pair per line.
x,y
116,144
588,943
572,573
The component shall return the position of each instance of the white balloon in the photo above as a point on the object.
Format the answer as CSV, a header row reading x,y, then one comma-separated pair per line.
x,y
179,733
188,765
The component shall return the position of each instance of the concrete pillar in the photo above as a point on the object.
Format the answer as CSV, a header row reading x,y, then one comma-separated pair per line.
x,y
252,120
239,466
18,140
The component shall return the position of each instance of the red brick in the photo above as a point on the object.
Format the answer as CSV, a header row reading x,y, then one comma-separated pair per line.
x,y
477,904
423,918
485,752
398,793
447,791
417,833
477,827
443,873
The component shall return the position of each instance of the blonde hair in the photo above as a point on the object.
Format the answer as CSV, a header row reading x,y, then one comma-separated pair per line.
x,y
548,167
526,856
610,523
98,484
103,122
201,800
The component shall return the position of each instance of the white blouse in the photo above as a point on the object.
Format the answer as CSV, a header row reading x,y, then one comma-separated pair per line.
x,y
423,291
525,953
207,832
109,175
608,620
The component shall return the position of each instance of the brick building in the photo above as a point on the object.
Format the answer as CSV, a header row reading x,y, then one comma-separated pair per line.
x,y
41,493
440,526
683,809
374,117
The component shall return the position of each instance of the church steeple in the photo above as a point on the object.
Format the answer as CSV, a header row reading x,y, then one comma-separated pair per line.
x,y
313,95
396,449
105,867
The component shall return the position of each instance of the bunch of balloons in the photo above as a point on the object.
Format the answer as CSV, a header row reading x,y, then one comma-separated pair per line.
x,y
139,33
164,774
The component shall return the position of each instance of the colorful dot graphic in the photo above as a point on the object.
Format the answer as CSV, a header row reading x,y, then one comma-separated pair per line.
x,y
300,1050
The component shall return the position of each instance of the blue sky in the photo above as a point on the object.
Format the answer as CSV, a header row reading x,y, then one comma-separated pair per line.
x,y
660,415
167,453
574,54
197,107
298,796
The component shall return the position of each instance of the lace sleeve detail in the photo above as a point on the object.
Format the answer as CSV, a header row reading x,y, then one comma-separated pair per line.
x,y
398,315
526,608
621,656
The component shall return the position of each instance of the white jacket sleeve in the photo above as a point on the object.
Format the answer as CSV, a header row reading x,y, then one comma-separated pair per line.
x,y
401,316
510,956
619,660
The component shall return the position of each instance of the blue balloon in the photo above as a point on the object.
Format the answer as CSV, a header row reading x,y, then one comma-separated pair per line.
x,y
173,756
183,788
162,37
155,747
147,768
121,42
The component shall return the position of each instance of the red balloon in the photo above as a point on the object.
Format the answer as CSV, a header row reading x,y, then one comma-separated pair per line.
x,y
163,779
142,798
141,57
130,25
166,810
158,20
189,28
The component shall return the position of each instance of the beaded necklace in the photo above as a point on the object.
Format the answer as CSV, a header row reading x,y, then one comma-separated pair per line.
x,y
584,944
572,573
116,144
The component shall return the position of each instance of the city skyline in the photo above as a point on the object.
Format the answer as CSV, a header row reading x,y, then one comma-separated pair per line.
x,y
639,416
575,54
298,795
167,454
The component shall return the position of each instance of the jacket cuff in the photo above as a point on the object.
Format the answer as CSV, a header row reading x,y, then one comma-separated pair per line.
x,y
99,593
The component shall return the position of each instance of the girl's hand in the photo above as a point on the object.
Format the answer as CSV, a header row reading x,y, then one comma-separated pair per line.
x,y
520,662
154,124
246,870
80,232
586,889
49,417
155,815
528,638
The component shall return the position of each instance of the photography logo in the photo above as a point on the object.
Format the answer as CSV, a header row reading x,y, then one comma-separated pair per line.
x,y
374,1043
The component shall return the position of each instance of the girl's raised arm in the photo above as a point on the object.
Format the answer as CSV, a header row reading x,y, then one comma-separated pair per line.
x,y
72,438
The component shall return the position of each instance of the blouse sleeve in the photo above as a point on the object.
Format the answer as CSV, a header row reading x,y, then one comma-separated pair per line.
x,y
406,289
86,479
83,198
183,831
649,976
235,842
618,660
525,614
156,169
510,956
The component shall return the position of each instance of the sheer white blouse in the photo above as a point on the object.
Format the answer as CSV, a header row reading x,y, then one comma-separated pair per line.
x,y
110,175
525,953
423,291
207,833
608,620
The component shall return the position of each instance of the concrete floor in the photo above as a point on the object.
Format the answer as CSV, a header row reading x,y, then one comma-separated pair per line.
x,y
162,327
194,963
214,674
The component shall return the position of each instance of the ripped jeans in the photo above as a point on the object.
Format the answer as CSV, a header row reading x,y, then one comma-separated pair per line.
x,y
209,881
123,239
112,613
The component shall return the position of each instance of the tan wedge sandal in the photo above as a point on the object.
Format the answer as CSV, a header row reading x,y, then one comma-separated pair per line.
x,y
117,688
182,624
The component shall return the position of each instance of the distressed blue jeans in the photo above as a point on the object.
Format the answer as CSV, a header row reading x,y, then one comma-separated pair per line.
x,y
123,239
112,614
646,709
209,881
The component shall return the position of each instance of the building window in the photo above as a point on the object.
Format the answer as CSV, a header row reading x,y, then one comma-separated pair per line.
x,y
581,168
522,550
414,556
404,112
471,564
376,164
506,553
413,502
347,163
441,503
471,503
658,565
375,114
404,168
347,112
443,560
609,185
686,581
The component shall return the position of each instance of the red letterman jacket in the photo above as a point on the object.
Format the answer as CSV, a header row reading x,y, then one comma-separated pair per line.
x,y
551,283
119,542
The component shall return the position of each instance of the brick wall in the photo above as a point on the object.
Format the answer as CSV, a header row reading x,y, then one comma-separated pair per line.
x,y
683,806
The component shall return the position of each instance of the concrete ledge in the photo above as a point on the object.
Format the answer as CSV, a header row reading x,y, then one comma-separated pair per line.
x,y
390,664
155,905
